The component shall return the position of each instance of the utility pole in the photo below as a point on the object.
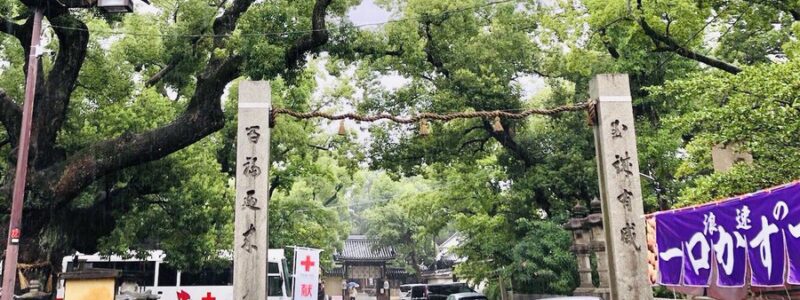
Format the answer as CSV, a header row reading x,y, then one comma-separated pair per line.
x,y
15,222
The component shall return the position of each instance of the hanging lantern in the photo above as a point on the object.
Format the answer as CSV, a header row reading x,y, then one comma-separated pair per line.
x,y
497,126
116,6
424,127
342,129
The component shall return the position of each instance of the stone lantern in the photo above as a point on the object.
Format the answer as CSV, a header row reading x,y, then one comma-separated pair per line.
x,y
594,221
581,239
588,238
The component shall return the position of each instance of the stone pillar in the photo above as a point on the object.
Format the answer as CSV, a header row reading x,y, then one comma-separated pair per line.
x,y
598,247
580,246
620,190
252,186
724,157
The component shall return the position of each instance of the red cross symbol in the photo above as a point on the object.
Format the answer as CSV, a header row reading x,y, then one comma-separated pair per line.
x,y
183,295
308,263
208,297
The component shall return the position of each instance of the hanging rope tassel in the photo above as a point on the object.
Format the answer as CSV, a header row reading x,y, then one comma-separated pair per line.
x,y
23,282
49,287
424,128
496,125
342,129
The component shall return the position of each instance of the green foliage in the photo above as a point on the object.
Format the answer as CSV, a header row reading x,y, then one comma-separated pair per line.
x,y
504,192
541,264
755,109
508,190
199,206
407,224
144,79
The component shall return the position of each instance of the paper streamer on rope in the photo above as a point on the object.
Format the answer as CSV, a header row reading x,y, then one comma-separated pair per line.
x,y
754,229
652,250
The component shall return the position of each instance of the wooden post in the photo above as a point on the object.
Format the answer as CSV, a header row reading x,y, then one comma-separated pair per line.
x,y
252,186
620,190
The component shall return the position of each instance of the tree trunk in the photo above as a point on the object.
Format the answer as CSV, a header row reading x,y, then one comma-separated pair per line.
x,y
502,288
40,253
417,270
52,225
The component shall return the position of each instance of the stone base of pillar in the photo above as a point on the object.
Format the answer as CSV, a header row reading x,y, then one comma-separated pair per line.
x,y
584,291
603,293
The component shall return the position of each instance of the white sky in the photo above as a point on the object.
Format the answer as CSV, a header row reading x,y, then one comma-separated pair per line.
x,y
368,13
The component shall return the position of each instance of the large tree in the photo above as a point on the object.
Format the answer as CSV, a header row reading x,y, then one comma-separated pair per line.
x,y
702,73
112,107
115,95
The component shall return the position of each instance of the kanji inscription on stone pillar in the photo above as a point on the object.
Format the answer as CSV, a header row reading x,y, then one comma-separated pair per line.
x,y
620,189
252,186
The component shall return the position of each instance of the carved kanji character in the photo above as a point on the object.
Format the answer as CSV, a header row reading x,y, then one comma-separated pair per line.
x,y
247,244
628,234
623,164
625,198
251,201
252,133
250,168
616,129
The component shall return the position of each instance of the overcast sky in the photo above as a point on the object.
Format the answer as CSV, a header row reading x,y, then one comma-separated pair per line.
x,y
368,13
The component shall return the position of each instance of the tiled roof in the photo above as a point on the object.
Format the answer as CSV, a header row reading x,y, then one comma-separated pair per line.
x,y
397,273
335,271
360,248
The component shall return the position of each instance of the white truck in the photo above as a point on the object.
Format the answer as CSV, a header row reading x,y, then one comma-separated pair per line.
x,y
157,276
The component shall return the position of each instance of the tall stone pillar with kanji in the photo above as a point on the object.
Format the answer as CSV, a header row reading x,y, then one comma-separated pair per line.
x,y
620,189
252,186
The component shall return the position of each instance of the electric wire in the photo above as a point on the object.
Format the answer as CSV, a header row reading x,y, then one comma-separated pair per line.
x,y
286,33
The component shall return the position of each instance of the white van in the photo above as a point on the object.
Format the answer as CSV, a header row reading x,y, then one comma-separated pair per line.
x,y
156,275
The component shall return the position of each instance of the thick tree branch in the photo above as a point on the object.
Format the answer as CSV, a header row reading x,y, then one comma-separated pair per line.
x,y
612,50
666,42
318,147
226,23
373,51
160,74
63,180
430,50
274,186
471,129
53,92
86,224
473,141
10,116
505,140
223,25
332,198
203,116
318,36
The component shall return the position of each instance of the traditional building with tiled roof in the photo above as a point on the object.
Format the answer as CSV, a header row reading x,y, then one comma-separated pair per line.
x,y
364,261
360,248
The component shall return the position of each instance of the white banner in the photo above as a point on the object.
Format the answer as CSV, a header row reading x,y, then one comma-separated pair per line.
x,y
306,274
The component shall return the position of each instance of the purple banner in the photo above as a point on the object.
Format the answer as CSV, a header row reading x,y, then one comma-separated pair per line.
x,y
752,231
